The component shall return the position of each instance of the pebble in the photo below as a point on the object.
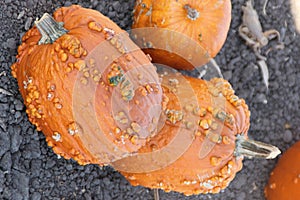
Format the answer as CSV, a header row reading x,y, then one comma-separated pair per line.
x,y
11,43
28,23
30,4
240,181
18,104
106,194
18,114
116,5
111,14
261,98
95,182
50,163
31,150
6,162
17,195
87,196
35,167
21,14
4,143
35,183
68,3
36,196
69,167
287,136
2,181
227,75
3,124
4,106
21,183
241,196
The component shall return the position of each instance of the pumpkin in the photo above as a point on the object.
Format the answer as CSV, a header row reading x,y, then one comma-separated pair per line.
x,y
87,86
181,34
285,178
200,147
98,99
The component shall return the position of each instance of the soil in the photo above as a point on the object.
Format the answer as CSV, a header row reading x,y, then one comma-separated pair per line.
x,y
30,170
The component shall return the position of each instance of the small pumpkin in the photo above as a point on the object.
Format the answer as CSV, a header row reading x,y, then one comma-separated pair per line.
x,y
87,86
214,123
181,34
285,178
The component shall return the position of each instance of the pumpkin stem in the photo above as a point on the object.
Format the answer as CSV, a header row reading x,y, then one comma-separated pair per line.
x,y
50,29
156,194
192,13
251,148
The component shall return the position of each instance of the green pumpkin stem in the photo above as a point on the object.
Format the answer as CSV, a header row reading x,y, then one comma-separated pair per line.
x,y
50,29
251,148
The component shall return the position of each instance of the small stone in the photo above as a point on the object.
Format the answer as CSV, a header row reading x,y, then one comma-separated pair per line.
x,y
87,196
6,162
227,75
35,167
261,98
4,143
68,3
16,195
240,181
2,181
21,14
111,14
241,196
32,150
21,183
36,196
116,5
69,167
287,136
28,23
11,43
18,114
50,163
18,104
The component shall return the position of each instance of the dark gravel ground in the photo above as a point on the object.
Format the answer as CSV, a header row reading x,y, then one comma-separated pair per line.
x,y
30,170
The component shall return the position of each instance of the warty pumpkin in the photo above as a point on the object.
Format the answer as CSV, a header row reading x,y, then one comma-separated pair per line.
x,y
98,99
215,123
87,86
182,34
285,178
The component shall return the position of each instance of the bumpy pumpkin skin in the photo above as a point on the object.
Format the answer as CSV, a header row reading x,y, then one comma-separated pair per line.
x,y
285,178
49,74
192,173
208,27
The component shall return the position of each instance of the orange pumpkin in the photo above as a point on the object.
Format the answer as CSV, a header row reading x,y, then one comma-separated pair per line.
x,y
185,33
284,182
87,86
200,147
98,99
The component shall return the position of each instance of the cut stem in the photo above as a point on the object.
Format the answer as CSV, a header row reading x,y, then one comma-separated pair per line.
x,y
50,29
192,13
251,148
156,194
